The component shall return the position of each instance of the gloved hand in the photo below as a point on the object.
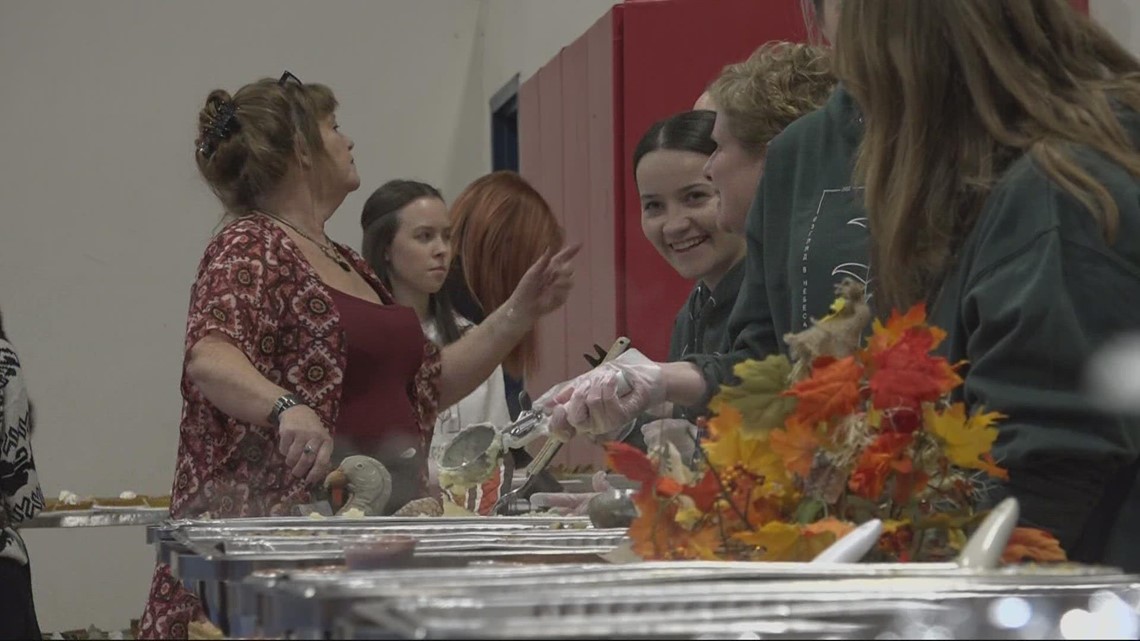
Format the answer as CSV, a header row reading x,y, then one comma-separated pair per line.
x,y
678,432
571,504
591,404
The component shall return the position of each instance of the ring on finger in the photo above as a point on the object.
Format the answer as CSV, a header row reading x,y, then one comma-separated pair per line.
x,y
309,450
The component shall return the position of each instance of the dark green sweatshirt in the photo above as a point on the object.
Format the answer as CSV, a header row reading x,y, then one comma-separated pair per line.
x,y
1035,292
701,326
807,231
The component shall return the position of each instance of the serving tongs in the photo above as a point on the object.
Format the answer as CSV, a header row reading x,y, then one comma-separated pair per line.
x,y
530,424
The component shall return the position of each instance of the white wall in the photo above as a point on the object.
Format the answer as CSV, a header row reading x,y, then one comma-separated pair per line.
x,y
1121,18
103,217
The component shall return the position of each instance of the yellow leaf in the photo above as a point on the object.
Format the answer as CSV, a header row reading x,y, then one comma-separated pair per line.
x,y
786,542
758,396
688,515
837,306
956,539
731,446
890,526
796,446
967,441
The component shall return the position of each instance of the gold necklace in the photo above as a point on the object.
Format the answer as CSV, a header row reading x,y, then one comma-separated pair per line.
x,y
332,254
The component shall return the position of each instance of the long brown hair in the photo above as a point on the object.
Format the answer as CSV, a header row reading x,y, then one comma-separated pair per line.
x,y
500,226
952,93
380,220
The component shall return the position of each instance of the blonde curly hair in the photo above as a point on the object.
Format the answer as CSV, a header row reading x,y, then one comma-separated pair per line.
x,y
778,83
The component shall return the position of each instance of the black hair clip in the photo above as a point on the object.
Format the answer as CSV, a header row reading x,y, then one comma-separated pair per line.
x,y
222,126
225,123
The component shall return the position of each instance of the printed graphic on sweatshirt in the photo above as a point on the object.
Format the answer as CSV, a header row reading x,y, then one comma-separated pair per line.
x,y
835,245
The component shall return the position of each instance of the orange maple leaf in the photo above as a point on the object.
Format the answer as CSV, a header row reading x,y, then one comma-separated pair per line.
x,y
796,445
1031,544
831,524
655,534
831,390
886,453
885,337
906,375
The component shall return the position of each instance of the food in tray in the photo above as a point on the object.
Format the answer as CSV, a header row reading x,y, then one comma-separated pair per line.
x,y
451,509
204,629
426,506
564,471
379,552
69,501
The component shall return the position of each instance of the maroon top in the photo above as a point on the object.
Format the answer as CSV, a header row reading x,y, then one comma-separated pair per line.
x,y
385,350
255,287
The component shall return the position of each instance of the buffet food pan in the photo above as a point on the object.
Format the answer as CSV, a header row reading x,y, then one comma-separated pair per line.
x,y
870,606
210,560
822,621
169,538
425,541
307,603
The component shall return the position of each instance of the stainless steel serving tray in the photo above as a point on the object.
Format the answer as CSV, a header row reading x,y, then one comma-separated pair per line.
x,y
643,610
813,621
210,559
168,536
288,602
425,542
305,524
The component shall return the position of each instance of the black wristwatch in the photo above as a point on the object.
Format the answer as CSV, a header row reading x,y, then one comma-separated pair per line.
x,y
285,402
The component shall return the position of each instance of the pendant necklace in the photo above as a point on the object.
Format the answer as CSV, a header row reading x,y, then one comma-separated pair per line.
x,y
331,253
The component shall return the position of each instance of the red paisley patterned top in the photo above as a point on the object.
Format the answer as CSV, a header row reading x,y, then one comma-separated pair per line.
x,y
255,287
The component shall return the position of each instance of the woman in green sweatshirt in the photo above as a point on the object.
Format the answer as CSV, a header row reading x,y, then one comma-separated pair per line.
x,y
806,231
753,100
1003,188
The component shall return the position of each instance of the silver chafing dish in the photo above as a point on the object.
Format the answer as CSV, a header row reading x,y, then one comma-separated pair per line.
x,y
212,556
1014,603
308,605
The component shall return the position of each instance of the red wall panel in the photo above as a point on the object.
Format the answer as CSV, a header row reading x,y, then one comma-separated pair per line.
x,y
552,328
577,217
671,50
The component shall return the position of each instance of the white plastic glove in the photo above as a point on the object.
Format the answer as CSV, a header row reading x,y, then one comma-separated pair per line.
x,y
572,504
590,403
678,432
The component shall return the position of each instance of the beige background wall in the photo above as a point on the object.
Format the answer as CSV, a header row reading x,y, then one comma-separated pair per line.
x,y
103,217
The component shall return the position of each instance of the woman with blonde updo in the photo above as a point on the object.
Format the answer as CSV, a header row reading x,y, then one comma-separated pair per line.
x,y
292,338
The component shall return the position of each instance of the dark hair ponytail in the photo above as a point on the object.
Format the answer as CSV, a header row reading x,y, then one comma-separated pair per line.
x,y
380,220
686,131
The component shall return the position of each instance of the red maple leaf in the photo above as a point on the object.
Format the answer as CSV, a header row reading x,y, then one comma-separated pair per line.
x,y
631,462
831,390
906,375
705,492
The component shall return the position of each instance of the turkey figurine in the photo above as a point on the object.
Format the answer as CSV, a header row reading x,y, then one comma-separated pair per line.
x,y
367,482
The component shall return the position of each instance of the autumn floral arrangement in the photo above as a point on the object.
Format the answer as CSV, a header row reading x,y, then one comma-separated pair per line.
x,y
804,449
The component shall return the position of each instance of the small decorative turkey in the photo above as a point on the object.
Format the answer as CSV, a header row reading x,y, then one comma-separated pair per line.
x,y
367,481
